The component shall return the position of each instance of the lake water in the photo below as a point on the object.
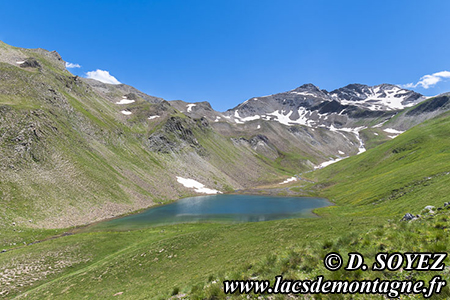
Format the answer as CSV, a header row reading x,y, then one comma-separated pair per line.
x,y
228,208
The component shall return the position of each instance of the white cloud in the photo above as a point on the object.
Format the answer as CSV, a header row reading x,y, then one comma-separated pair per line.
x,y
70,65
408,85
102,76
428,81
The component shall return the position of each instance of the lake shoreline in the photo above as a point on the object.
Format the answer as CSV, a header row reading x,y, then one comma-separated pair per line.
x,y
221,208
263,191
271,192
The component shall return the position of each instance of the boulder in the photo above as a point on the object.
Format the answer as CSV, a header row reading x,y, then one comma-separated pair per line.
x,y
407,217
429,208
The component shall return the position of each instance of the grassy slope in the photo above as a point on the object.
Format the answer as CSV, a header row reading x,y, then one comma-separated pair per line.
x,y
429,234
64,161
406,173
135,263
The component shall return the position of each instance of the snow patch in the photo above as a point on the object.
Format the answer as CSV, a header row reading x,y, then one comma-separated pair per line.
x,y
126,112
304,117
153,117
395,132
197,186
356,131
245,119
380,124
125,101
340,152
329,162
289,180
392,130
190,106
258,127
251,118
281,118
361,147
20,62
382,99
304,94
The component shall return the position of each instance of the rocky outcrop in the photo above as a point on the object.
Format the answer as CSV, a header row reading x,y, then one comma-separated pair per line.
x,y
30,63
176,134
408,217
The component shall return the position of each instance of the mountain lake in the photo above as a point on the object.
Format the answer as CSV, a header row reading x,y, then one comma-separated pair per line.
x,y
218,208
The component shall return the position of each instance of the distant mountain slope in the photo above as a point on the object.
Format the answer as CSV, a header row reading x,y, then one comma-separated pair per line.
x,y
310,106
335,124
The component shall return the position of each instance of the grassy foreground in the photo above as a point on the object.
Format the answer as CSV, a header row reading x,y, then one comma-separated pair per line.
x,y
152,262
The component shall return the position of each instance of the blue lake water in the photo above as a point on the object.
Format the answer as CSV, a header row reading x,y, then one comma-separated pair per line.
x,y
228,208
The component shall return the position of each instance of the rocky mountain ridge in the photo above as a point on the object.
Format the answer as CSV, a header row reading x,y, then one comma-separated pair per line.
x,y
310,106
355,115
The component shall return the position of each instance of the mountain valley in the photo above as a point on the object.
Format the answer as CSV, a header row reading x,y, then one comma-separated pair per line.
x,y
74,151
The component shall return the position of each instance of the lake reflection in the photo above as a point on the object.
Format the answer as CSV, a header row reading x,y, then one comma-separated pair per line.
x,y
231,208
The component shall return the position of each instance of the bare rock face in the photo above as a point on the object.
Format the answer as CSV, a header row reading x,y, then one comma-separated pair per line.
x,y
30,63
52,56
176,134
261,144
23,141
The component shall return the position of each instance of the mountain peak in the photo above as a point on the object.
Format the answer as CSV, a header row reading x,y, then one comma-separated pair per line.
x,y
308,87
355,86
388,86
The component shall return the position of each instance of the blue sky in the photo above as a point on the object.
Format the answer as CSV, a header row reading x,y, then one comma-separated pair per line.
x,y
227,51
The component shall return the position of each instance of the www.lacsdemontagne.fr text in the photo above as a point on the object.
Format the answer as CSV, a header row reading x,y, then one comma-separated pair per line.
x,y
391,288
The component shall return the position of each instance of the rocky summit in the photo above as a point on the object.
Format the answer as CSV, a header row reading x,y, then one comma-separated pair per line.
x,y
310,106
